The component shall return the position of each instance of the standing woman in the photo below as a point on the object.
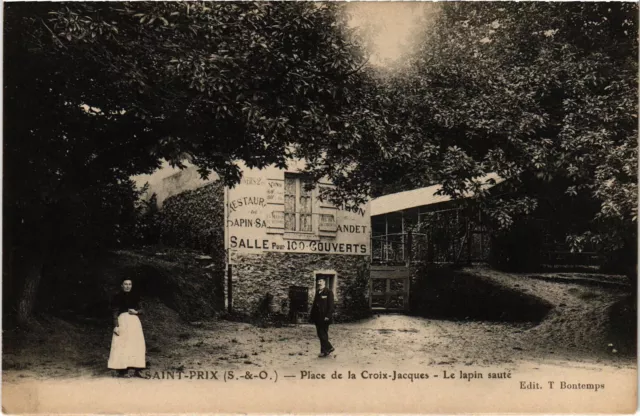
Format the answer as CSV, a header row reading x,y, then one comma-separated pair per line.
x,y
128,348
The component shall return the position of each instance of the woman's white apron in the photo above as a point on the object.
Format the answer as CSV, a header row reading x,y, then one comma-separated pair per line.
x,y
127,349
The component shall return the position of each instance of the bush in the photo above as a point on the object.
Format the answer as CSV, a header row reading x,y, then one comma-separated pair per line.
x,y
355,300
195,219
180,281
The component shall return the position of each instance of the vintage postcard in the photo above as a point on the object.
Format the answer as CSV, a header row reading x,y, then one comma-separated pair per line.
x,y
310,207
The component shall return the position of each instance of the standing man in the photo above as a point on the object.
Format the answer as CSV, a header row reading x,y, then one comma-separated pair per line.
x,y
322,315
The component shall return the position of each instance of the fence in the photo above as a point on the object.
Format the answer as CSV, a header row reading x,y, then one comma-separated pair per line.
x,y
397,248
555,252
452,236
436,246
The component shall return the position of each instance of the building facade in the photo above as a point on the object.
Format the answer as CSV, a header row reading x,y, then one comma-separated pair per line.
x,y
280,236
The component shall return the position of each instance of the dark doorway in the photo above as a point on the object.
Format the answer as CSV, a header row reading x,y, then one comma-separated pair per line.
x,y
299,302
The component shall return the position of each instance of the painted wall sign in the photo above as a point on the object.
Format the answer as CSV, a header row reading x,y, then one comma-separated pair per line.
x,y
268,212
275,191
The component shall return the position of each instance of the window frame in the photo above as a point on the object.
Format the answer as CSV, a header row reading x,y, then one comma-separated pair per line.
x,y
299,187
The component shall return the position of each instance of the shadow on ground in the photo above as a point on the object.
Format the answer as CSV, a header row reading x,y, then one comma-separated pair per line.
x,y
451,294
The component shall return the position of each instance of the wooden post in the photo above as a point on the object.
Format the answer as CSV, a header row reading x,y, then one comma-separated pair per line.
x,y
430,248
407,291
409,248
387,295
229,289
227,250
386,237
404,237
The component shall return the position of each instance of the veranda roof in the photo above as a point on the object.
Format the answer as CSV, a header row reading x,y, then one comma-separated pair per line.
x,y
419,197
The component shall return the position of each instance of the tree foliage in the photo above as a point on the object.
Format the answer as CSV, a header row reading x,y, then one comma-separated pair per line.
x,y
98,92
543,94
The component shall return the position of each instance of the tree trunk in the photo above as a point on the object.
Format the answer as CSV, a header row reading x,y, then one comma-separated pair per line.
x,y
26,303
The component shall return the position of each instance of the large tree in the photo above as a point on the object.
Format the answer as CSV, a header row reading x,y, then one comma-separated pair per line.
x,y
545,94
97,92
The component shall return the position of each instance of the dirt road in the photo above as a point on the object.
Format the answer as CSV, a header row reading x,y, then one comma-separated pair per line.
x,y
384,340
382,344
62,365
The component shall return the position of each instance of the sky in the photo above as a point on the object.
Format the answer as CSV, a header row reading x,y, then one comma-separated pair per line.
x,y
390,29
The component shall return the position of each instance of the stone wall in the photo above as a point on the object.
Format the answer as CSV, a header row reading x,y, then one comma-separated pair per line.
x,y
255,275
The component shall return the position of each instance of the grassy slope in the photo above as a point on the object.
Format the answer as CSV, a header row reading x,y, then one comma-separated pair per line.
x,y
589,312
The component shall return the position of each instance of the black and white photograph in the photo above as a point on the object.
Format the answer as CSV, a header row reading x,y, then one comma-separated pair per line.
x,y
311,207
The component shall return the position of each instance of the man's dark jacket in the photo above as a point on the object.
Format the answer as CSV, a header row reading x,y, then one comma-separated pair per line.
x,y
323,307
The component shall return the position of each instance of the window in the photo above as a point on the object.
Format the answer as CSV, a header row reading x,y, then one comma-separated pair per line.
x,y
327,223
298,205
